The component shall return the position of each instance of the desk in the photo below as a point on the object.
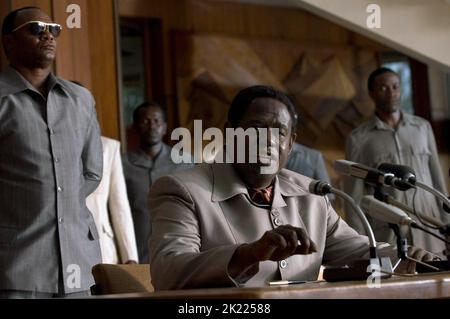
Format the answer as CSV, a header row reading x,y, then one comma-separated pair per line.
x,y
421,286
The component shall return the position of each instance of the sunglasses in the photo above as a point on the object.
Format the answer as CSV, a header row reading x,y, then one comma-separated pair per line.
x,y
37,27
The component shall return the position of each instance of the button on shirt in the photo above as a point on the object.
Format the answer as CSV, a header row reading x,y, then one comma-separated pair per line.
x,y
50,159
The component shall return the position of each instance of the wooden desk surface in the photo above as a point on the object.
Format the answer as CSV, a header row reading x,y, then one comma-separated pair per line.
x,y
421,286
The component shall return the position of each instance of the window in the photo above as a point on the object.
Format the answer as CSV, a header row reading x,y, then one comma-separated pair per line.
x,y
401,65
142,68
133,70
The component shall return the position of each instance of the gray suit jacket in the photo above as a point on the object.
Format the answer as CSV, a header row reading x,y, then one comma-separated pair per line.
x,y
140,173
50,159
201,215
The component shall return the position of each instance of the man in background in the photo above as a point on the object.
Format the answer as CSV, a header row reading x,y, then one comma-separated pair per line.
x,y
144,166
393,136
50,160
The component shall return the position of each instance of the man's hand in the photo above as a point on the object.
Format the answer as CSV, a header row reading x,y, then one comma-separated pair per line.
x,y
275,245
409,266
281,243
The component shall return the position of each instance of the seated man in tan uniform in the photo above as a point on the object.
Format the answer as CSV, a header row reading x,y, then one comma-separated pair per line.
x,y
227,224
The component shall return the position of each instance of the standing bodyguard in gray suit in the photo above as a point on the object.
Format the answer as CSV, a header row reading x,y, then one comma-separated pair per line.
x,y
50,160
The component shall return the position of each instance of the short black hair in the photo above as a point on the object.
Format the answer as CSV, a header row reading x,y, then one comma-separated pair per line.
x,y
9,22
245,97
377,73
145,105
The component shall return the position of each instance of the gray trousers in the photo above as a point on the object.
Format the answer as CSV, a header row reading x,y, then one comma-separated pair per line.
x,y
19,294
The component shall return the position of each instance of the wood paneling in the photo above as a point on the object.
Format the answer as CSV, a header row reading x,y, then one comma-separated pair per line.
x,y
234,19
102,41
4,9
45,5
73,62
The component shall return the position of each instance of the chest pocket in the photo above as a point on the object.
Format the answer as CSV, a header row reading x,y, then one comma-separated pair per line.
x,y
383,158
420,158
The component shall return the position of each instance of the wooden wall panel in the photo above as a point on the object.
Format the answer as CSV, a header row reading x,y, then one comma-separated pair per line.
x,y
103,66
73,60
45,5
4,9
234,19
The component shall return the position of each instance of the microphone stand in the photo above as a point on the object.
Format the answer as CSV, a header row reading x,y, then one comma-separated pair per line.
x,y
434,192
443,228
362,268
402,242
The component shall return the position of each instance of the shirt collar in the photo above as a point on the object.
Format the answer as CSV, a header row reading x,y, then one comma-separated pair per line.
x,y
405,119
15,82
227,184
140,158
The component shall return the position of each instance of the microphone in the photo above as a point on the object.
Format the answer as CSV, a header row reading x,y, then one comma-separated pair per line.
x,y
408,178
403,172
384,212
391,214
391,201
370,175
394,216
323,188
360,269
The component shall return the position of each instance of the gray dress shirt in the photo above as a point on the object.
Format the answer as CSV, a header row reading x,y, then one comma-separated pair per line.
x,y
411,144
50,160
140,173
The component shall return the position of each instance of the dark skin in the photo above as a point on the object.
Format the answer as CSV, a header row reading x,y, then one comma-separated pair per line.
x,y
286,240
386,94
151,128
32,56
266,113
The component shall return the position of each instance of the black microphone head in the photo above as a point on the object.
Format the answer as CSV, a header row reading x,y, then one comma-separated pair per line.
x,y
405,173
319,188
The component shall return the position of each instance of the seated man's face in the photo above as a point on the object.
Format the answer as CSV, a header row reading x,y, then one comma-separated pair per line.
x,y
269,113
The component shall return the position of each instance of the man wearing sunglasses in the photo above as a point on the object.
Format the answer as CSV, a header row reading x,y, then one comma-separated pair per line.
x,y
50,160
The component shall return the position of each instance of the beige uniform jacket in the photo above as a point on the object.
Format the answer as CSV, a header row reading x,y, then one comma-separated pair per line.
x,y
201,215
